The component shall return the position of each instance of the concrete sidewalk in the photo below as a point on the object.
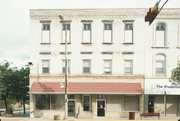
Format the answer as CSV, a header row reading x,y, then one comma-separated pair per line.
x,y
40,119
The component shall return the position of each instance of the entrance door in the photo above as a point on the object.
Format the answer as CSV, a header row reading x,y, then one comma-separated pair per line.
x,y
101,108
151,104
71,108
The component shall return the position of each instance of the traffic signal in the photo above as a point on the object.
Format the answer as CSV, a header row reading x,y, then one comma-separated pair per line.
x,y
151,14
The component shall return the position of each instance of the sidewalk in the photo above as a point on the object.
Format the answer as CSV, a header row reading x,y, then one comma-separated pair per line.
x,y
40,119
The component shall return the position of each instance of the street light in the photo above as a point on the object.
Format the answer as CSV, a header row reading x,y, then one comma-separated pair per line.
x,y
66,87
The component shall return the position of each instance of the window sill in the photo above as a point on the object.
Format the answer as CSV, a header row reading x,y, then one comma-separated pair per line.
x,y
45,43
107,43
65,43
86,43
128,43
160,47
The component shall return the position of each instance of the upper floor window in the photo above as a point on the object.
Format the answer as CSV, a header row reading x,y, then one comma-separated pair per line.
x,y
45,33
86,33
68,66
46,27
160,65
128,32
107,33
108,66
160,35
66,33
45,66
87,66
128,66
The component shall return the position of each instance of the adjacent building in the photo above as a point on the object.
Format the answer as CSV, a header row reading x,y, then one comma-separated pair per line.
x,y
114,60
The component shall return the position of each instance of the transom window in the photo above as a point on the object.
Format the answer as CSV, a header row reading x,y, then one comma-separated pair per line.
x,y
160,27
128,26
107,26
66,26
45,27
87,26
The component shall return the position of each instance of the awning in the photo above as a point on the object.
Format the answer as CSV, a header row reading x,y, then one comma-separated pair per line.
x,y
86,88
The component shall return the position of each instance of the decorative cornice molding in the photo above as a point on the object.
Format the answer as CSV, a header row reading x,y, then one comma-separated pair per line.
x,y
86,20
62,53
108,21
107,52
127,52
128,20
160,47
66,21
39,17
89,76
45,43
45,21
45,53
87,52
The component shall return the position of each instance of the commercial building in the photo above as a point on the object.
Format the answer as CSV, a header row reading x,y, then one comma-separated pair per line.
x,y
112,56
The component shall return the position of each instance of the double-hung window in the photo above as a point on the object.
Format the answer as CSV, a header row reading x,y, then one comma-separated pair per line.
x,y
68,66
66,33
45,66
160,61
86,33
45,32
128,66
128,32
108,32
161,35
108,66
87,66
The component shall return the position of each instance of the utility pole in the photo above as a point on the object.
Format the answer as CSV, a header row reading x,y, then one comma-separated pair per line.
x,y
66,87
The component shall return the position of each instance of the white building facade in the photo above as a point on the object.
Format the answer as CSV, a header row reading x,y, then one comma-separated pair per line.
x,y
113,57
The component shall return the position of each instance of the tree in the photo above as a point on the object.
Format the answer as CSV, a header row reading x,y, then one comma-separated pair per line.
x,y
175,76
13,83
5,82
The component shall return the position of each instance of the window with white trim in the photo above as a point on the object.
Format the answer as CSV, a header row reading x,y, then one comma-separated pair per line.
x,y
108,66
107,33
160,35
66,33
160,64
128,32
86,33
86,66
45,66
128,66
68,66
45,33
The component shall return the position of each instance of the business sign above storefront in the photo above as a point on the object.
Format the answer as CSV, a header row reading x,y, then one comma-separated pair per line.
x,y
161,86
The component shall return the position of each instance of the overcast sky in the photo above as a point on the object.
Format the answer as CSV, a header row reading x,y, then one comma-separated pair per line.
x,y
14,21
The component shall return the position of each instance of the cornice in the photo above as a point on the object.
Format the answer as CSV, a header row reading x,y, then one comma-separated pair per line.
x,y
46,17
89,76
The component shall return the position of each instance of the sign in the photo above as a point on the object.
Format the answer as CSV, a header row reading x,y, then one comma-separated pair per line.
x,y
161,86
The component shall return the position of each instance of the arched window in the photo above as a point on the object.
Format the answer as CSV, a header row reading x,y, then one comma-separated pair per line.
x,y
161,35
160,62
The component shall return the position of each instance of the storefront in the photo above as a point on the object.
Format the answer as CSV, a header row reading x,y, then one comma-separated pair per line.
x,y
87,100
162,97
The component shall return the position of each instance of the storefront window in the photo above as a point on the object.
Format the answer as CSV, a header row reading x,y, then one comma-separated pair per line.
x,y
47,102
